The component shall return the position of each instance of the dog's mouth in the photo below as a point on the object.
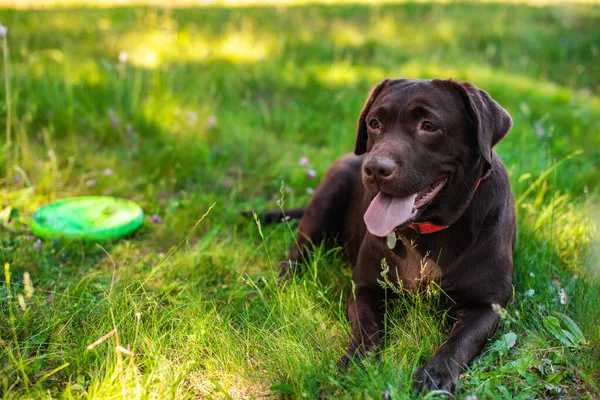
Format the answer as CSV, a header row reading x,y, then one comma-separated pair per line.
x,y
387,212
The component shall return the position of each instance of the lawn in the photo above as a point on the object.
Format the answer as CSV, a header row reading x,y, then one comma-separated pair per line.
x,y
197,113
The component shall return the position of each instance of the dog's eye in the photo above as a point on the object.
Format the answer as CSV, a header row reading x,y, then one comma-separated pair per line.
x,y
374,124
428,126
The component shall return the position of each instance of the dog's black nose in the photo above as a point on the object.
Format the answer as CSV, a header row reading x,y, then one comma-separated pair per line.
x,y
379,167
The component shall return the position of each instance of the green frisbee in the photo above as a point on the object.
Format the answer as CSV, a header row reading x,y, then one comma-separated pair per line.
x,y
88,218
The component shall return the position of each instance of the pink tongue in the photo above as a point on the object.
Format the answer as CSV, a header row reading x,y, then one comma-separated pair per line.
x,y
387,212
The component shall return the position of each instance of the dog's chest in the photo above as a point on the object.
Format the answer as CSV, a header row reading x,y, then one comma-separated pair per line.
x,y
411,264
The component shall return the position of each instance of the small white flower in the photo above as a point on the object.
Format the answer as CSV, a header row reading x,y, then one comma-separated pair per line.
x,y
531,274
212,121
529,292
562,296
123,57
108,172
22,303
310,191
311,173
498,309
3,31
28,285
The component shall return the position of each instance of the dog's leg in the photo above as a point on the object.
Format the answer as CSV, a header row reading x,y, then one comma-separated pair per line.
x,y
469,334
366,317
365,303
325,214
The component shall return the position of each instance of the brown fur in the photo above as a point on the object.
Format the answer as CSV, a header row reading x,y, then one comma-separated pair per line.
x,y
471,259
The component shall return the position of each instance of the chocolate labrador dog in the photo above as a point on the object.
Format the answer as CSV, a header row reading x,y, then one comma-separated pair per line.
x,y
425,191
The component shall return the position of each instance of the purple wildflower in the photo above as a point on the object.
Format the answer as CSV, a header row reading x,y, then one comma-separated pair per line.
x,y
91,182
539,129
304,162
192,117
385,395
108,172
311,173
3,31
310,191
29,237
156,219
38,244
17,178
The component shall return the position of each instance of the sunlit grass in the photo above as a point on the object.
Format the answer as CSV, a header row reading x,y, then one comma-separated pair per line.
x,y
153,49
216,105
28,4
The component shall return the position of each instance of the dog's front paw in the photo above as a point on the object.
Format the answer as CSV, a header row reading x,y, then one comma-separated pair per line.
x,y
431,377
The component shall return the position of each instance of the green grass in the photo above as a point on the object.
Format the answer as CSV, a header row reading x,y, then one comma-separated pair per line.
x,y
197,307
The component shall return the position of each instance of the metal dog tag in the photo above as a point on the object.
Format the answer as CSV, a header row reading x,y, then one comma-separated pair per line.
x,y
391,240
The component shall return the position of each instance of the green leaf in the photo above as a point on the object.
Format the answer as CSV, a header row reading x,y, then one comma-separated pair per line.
x,y
505,343
36,366
521,365
554,379
77,387
571,327
571,336
552,325
282,388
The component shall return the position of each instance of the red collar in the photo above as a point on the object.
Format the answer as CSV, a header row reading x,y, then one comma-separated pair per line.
x,y
428,227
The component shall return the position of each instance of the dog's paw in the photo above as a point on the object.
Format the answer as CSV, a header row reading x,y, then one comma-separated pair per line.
x,y
432,378
288,269
343,362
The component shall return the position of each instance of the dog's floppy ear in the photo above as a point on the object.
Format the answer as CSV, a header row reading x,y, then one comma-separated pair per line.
x,y
360,147
491,120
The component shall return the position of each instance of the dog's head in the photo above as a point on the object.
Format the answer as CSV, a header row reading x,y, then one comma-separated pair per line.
x,y
428,143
